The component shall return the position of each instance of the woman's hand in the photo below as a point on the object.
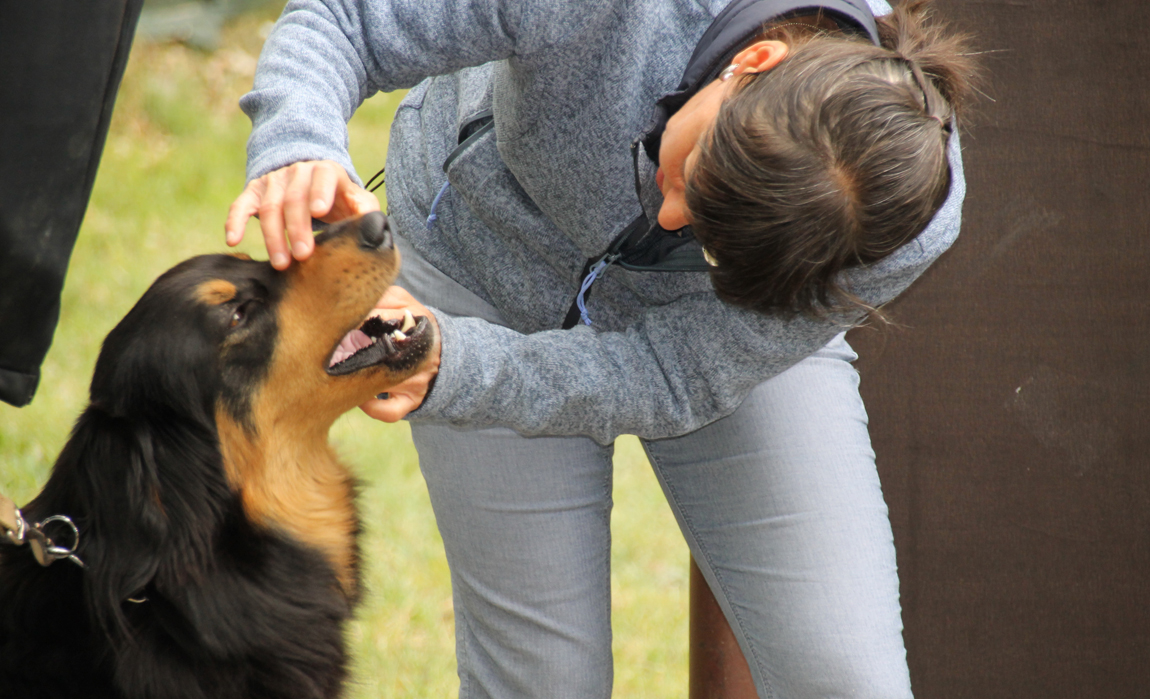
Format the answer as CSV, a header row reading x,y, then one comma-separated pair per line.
x,y
286,200
408,395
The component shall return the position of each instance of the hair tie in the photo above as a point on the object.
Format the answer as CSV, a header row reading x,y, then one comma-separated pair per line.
x,y
928,96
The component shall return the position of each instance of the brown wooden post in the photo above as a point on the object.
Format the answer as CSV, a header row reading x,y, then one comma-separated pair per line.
x,y
718,669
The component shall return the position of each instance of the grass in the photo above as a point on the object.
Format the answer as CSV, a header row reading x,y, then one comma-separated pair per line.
x,y
173,162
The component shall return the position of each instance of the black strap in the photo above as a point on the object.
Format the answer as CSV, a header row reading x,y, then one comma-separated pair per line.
x,y
473,130
642,247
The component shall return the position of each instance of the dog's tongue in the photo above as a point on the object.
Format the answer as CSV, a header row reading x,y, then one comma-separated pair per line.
x,y
351,343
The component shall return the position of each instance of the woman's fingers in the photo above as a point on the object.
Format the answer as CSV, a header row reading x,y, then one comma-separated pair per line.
x,y
246,205
396,298
349,199
286,201
297,209
409,394
272,219
326,179
392,409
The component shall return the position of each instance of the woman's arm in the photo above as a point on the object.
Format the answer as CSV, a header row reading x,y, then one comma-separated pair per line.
x,y
324,57
686,365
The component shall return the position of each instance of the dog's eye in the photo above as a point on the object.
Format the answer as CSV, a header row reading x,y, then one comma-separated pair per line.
x,y
238,315
244,312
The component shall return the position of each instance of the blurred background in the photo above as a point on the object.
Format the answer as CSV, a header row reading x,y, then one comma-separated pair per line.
x,y
172,163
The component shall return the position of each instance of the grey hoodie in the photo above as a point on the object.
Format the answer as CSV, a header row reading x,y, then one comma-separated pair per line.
x,y
571,84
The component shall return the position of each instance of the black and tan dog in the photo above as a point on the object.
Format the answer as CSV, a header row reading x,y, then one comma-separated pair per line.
x,y
217,527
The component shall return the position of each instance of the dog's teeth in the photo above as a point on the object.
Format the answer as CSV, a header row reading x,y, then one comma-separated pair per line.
x,y
398,335
408,321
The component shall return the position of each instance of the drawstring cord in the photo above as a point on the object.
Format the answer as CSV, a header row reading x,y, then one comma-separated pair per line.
x,y
608,259
587,282
592,275
431,216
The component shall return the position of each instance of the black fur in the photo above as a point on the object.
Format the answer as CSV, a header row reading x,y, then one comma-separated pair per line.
x,y
232,609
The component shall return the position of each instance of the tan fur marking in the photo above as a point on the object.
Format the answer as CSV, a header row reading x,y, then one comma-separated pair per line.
x,y
216,291
295,485
288,476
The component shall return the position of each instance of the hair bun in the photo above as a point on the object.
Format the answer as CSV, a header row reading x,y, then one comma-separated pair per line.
x,y
932,51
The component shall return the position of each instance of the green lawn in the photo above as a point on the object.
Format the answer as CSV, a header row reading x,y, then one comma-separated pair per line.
x,y
174,160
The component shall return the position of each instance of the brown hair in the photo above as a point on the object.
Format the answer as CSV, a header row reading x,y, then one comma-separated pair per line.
x,y
833,159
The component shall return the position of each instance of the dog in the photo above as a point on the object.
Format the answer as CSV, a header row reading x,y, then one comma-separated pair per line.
x,y
216,527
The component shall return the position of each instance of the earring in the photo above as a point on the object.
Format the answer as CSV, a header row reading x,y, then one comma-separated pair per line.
x,y
710,260
729,72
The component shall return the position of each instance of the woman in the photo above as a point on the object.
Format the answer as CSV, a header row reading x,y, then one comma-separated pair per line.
x,y
818,172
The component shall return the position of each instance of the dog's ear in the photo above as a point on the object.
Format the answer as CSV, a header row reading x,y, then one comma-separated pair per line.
x,y
153,494
163,354
106,480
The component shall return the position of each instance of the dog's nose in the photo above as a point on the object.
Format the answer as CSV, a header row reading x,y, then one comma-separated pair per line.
x,y
374,232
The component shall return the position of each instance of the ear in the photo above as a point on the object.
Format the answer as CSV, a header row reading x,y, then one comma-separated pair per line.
x,y
106,480
759,57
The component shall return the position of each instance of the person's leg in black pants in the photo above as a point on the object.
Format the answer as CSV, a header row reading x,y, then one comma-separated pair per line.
x,y
60,67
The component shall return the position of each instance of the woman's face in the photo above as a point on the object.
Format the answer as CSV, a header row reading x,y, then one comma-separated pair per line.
x,y
687,127
679,149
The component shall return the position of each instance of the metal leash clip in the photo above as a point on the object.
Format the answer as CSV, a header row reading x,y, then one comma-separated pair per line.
x,y
45,550
17,531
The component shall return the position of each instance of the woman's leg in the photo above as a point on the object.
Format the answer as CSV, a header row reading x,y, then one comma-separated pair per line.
x,y
782,508
526,525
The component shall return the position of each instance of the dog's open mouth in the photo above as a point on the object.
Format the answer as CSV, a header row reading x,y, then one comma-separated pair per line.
x,y
396,344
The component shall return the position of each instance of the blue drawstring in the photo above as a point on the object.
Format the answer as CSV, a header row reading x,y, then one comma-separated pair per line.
x,y
431,214
587,282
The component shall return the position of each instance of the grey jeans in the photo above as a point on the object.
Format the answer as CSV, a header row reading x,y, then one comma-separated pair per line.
x,y
779,502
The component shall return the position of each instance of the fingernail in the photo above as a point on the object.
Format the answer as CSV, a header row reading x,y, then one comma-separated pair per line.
x,y
382,396
317,205
280,260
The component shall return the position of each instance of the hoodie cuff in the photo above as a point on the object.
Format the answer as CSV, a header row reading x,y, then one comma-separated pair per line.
x,y
446,382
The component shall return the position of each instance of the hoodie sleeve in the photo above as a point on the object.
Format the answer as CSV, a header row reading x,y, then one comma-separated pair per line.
x,y
685,365
681,367
324,57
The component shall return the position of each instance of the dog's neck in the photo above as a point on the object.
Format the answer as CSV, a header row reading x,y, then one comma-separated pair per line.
x,y
290,479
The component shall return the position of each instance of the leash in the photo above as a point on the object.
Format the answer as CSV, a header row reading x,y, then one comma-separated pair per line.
x,y
16,530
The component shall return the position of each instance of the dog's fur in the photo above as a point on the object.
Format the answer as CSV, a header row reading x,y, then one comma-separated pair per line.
x,y
202,483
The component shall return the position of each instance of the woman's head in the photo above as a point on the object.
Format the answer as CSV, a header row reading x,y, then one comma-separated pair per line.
x,y
833,158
